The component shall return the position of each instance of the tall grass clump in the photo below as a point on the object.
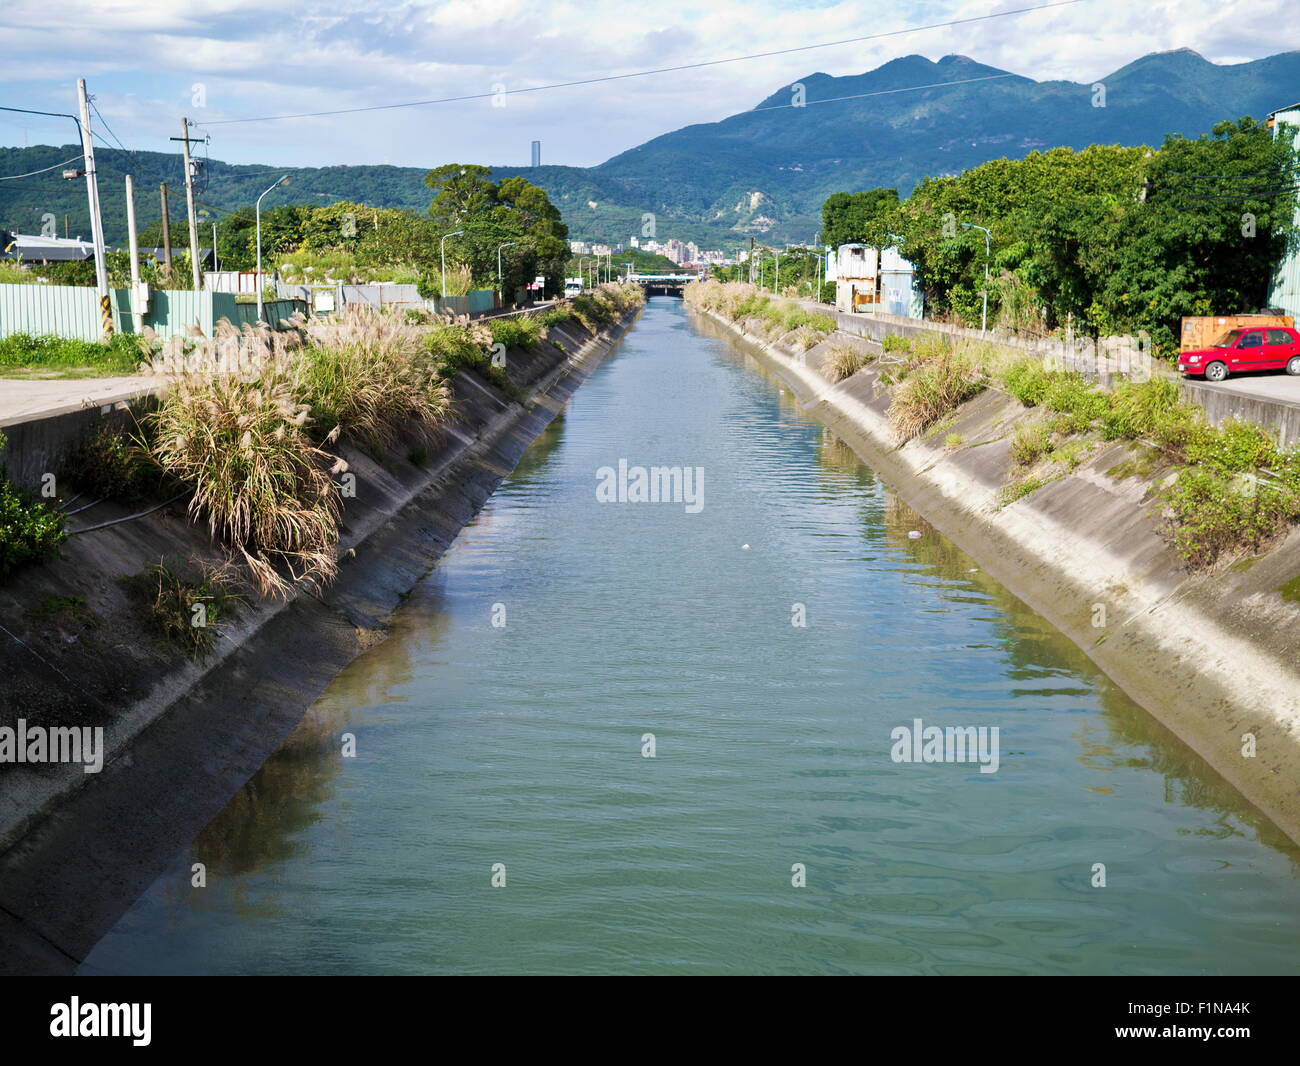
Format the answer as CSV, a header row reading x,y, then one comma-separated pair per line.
x,y
370,374
259,482
938,386
843,361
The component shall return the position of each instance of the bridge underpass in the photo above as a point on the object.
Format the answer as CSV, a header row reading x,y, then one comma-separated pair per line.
x,y
662,284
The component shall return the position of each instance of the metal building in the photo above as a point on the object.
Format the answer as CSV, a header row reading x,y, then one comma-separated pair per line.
x,y
1285,290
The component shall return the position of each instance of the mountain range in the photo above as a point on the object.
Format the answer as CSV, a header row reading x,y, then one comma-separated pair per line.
x,y
763,172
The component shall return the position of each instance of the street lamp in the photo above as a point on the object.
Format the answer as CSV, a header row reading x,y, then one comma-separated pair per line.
x,y
500,286
582,276
442,252
258,211
984,316
776,285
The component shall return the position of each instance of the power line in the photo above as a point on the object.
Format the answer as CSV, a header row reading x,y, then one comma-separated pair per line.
x,y
883,92
647,73
31,173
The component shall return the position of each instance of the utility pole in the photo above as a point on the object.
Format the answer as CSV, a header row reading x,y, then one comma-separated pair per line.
x,y
185,139
167,231
137,308
96,221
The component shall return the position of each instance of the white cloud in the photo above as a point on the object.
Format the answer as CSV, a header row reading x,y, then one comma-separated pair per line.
x,y
143,56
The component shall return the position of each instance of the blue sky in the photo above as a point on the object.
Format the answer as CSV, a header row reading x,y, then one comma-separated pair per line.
x,y
149,62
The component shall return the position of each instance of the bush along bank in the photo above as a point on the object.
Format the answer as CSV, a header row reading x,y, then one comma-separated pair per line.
x,y
271,469
1165,548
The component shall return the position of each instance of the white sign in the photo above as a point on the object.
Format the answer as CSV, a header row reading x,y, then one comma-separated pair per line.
x,y
323,300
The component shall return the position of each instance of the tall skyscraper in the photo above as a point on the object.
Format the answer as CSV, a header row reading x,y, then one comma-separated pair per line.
x,y
537,153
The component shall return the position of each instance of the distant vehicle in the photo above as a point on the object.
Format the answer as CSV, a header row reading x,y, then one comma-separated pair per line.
x,y
1238,350
573,287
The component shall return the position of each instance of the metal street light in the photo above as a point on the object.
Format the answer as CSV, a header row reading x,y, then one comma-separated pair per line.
x,y
500,286
258,211
581,269
776,285
442,252
984,316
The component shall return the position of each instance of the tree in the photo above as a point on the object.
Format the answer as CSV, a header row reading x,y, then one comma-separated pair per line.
x,y
859,217
516,214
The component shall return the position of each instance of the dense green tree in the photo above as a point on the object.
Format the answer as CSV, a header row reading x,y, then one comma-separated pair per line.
x,y
515,218
859,217
1115,239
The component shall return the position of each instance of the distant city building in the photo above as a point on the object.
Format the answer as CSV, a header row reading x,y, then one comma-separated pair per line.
x,y
632,242
537,153
579,248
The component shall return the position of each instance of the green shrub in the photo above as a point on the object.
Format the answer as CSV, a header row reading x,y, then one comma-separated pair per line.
x,y
591,311
108,463
1030,442
556,316
29,530
519,331
1214,515
1028,381
1236,446
892,342
187,613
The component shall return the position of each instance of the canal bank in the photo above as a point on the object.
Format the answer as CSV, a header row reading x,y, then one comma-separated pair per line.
x,y
1213,656
181,734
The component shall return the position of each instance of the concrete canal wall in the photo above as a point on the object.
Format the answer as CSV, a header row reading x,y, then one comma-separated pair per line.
x,y
1213,656
183,735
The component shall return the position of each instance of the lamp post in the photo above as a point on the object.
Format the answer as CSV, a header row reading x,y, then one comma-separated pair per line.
x,y
500,287
984,316
776,285
442,252
581,269
258,212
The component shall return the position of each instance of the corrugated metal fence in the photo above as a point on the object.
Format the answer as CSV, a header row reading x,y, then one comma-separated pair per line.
x,y
73,311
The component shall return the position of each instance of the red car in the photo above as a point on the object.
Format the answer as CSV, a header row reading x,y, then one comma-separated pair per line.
x,y
1256,348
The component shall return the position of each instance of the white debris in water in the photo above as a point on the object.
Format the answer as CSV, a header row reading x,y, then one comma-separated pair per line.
x,y
914,534
744,547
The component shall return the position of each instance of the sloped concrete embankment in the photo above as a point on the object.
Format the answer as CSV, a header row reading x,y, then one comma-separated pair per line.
x,y
182,735
1213,656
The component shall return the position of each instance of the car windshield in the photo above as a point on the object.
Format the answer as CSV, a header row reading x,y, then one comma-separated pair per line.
x,y
1227,340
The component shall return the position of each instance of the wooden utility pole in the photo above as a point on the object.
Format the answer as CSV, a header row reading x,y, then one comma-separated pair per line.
x,y
185,139
167,231
96,221
137,303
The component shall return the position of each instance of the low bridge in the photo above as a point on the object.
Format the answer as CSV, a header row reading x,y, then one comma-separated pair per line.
x,y
662,284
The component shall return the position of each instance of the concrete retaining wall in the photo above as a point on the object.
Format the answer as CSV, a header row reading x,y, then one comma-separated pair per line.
x,y
1221,405
1213,656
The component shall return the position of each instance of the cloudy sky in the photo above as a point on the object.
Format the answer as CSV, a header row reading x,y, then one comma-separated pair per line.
x,y
148,62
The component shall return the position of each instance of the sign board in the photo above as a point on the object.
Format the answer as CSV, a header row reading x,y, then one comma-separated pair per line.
x,y
323,300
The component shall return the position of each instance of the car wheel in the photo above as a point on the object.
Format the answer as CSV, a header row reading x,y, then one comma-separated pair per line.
x,y
1293,366
1216,371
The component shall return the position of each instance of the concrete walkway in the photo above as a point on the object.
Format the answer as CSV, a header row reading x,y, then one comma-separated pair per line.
x,y
22,400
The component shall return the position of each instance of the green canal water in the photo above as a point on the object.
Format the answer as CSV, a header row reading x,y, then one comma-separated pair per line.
x,y
520,747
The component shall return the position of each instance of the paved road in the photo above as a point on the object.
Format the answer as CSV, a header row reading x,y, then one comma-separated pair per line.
x,y
21,399
1272,385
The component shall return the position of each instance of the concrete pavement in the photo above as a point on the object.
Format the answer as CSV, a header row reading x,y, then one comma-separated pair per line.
x,y
24,399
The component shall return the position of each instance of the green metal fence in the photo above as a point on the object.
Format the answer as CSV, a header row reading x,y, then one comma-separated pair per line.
x,y
73,311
